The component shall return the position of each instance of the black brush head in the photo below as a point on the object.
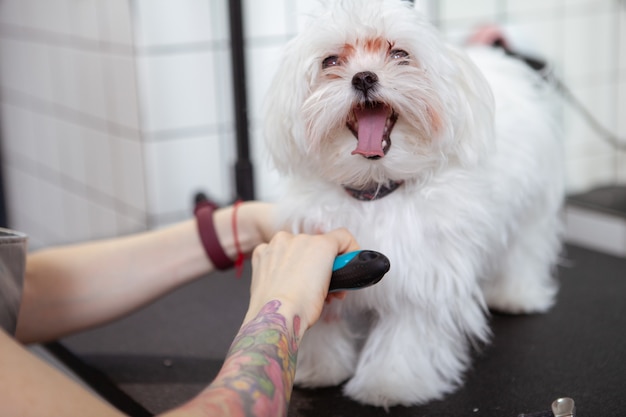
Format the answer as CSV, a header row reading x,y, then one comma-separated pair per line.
x,y
365,269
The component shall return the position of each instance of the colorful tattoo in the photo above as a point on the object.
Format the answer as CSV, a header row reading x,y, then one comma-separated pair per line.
x,y
257,376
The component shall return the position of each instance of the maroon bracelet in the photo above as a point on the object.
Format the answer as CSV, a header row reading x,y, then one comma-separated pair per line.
x,y
204,217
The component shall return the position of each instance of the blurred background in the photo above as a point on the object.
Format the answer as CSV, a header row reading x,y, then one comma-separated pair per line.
x,y
115,112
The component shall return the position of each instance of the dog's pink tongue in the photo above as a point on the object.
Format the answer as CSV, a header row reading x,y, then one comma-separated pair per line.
x,y
372,122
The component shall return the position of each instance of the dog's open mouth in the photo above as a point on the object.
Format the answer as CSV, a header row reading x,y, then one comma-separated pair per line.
x,y
372,123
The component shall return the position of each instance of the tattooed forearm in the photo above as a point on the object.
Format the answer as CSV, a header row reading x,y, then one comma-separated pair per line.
x,y
257,376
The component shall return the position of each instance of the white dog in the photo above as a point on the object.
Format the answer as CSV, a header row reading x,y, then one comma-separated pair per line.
x,y
388,131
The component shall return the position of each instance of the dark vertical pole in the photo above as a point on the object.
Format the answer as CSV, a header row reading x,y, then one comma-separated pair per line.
x,y
4,222
243,167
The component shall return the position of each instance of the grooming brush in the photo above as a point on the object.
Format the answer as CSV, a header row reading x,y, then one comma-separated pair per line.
x,y
358,269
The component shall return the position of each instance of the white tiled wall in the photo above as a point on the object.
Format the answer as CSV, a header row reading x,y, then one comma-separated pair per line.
x,y
114,112
585,40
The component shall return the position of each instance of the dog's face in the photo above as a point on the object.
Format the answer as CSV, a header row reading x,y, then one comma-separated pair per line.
x,y
368,93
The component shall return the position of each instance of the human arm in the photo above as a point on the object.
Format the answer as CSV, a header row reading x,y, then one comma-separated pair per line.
x,y
30,387
289,284
71,288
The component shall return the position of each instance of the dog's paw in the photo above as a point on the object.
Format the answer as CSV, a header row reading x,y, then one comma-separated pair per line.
x,y
521,297
326,374
388,388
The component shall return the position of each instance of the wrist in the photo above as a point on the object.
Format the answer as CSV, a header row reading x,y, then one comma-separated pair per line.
x,y
209,225
235,231
256,218
229,233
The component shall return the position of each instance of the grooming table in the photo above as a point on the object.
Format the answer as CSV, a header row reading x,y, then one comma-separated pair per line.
x,y
166,353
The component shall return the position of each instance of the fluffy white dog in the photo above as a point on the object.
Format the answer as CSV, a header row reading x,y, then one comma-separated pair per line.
x,y
388,131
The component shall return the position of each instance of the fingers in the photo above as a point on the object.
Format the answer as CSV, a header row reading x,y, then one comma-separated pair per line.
x,y
344,239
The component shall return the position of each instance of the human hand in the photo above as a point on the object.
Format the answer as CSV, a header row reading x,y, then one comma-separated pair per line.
x,y
296,270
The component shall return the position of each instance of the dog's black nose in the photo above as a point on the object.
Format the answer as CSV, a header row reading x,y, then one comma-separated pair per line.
x,y
364,81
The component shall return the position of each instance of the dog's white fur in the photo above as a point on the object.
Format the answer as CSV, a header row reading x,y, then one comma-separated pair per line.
x,y
475,224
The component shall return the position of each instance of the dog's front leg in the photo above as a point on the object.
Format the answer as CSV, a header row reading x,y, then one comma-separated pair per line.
x,y
327,355
409,359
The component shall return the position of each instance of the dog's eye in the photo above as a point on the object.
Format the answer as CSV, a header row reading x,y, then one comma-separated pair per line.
x,y
399,54
330,61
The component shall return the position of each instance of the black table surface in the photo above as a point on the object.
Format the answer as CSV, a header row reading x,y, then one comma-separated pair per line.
x,y
164,354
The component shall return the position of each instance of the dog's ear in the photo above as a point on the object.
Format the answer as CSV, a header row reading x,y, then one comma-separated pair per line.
x,y
472,122
284,128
